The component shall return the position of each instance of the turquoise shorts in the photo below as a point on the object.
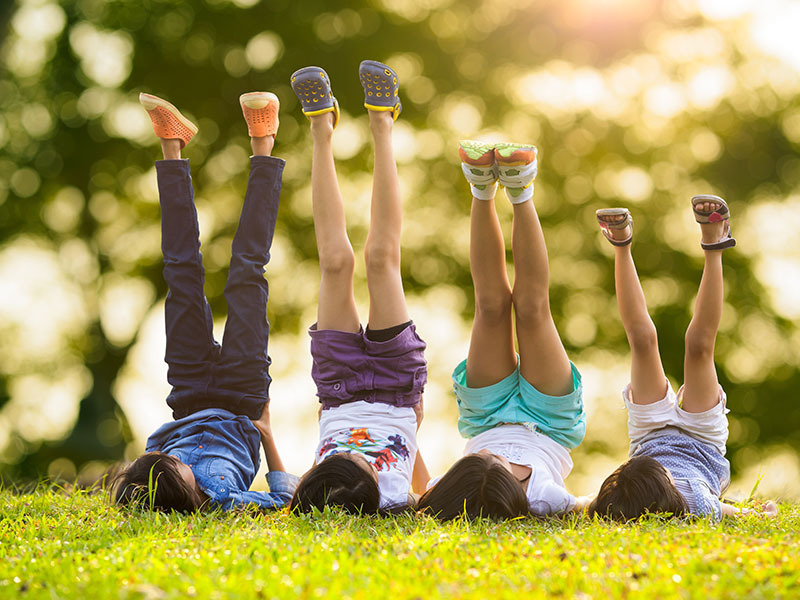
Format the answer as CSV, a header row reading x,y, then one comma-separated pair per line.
x,y
515,400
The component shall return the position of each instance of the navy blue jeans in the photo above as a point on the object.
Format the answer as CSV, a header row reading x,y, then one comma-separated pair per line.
x,y
203,374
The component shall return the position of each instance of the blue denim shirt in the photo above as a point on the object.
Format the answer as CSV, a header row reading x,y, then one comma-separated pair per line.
x,y
222,450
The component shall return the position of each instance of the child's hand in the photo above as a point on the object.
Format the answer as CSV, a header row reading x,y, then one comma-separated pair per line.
x,y
769,509
262,423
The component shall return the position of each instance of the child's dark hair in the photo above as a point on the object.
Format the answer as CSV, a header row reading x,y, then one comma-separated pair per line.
x,y
337,481
153,482
640,486
476,486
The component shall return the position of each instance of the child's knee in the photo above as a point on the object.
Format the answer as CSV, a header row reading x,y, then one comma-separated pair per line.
x,y
340,263
699,344
531,307
493,308
382,258
643,337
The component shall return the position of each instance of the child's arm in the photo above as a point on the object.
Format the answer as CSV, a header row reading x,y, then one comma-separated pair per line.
x,y
581,504
770,509
274,462
420,475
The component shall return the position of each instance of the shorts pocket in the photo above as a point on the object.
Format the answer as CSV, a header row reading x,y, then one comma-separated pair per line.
x,y
335,388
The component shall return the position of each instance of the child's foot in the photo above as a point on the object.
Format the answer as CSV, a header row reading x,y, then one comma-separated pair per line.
x,y
312,86
168,122
479,168
260,110
616,224
712,213
380,85
516,168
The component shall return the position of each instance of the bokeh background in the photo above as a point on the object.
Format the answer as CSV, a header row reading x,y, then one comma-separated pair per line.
x,y
632,102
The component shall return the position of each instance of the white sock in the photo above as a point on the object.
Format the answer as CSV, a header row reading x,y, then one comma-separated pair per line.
x,y
518,181
482,180
519,195
517,177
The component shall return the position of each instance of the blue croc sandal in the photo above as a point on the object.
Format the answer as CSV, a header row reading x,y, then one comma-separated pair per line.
x,y
380,85
312,86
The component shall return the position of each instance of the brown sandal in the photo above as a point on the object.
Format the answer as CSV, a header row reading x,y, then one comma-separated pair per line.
x,y
723,213
605,226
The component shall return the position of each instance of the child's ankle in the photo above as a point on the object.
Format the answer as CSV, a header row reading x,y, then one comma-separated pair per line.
x,y
171,149
262,146
322,125
380,120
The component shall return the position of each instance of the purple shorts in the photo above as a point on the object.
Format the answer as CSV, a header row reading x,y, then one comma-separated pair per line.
x,y
349,367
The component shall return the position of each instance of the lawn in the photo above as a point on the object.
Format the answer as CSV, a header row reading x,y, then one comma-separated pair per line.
x,y
61,545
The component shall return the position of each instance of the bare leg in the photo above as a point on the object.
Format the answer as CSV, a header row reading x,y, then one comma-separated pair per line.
x,y
648,380
491,355
387,302
701,387
337,307
543,360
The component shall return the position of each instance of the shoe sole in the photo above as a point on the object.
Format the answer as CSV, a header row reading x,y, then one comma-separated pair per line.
x,y
514,155
258,100
479,154
151,102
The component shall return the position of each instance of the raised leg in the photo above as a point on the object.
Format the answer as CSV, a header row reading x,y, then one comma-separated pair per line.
x,y
543,360
190,349
337,306
387,306
648,380
701,386
244,362
491,356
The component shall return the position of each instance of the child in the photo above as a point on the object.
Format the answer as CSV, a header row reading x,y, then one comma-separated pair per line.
x,y
369,382
522,412
677,463
209,455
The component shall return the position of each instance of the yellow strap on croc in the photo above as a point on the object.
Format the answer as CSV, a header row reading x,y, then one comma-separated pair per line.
x,y
334,109
395,110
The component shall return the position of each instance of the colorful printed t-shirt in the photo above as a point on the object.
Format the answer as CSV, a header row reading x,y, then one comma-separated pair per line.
x,y
549,461
385,435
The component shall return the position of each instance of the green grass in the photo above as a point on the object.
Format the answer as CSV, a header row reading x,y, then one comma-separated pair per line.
x,y
57,545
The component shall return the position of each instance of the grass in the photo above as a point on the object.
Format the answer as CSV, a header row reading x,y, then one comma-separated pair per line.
x,y
74,545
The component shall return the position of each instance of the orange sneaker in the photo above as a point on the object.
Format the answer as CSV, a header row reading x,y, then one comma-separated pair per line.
x,y
168,122
260,110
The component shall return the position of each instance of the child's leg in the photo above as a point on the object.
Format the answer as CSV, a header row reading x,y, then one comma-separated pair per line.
x,y
337,307
244,362
387,307
543,360
701,387
190,347
491,356
648,380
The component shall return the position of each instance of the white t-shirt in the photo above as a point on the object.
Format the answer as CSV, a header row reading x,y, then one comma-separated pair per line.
x,y
385,435
549,461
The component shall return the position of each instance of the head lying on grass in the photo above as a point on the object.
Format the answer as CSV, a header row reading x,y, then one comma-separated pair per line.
x,y
346,480
160,482
478,485
640,486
